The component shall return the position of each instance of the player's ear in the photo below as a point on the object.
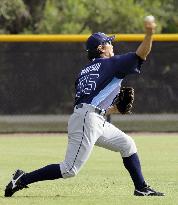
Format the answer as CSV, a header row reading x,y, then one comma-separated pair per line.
x,y
100,48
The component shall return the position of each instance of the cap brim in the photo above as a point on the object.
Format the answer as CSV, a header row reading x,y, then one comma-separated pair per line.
x,y
111,38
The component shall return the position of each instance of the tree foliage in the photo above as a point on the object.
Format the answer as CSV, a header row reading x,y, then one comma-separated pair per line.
x,y
83,16
13,16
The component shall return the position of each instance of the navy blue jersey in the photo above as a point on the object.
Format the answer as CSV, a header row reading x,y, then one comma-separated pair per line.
x,y
99,82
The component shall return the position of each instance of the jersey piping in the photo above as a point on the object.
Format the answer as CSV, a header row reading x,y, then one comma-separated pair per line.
x,y
103,100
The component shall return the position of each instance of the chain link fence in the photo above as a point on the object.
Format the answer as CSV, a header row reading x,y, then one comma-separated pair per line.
x,y
38,78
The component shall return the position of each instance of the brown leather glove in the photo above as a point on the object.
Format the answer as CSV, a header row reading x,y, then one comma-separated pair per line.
x,y
124,100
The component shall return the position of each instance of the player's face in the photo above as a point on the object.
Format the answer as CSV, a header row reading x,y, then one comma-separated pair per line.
x,y
108,49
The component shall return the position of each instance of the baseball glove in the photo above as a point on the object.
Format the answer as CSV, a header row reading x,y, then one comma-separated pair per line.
x,y
124,100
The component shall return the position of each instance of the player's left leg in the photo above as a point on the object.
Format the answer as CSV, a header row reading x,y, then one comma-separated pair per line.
x,y
116,140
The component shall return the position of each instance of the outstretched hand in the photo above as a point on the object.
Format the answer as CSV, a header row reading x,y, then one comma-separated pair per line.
x,y
150,27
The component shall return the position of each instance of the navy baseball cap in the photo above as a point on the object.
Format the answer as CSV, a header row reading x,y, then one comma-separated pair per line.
x,y
97,39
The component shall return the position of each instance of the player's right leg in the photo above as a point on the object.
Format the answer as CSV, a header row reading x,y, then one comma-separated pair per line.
x,y
82,134
81,139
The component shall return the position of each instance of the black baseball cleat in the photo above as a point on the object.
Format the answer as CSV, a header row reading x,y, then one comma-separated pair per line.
x,y
147,191
15,184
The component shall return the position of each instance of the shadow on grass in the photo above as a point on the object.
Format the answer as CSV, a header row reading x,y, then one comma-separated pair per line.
x,y
55,196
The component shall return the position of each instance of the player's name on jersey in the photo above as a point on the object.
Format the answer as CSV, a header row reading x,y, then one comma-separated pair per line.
x,y
94,67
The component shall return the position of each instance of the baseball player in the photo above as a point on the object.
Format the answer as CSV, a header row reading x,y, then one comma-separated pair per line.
x,y
96,87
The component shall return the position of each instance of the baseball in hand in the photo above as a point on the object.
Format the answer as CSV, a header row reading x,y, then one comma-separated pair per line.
x,y
150,25
149,19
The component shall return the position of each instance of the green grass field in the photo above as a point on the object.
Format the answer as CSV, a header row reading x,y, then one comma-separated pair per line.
x,y
103,180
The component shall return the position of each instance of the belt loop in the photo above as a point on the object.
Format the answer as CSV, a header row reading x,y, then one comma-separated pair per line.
x,y
100,112
79,106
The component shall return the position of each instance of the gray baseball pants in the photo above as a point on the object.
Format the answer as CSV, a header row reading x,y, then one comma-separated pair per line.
x,y
87,128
